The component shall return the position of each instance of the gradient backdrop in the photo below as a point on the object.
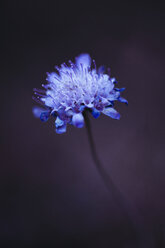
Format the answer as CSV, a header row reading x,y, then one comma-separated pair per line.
x,y
52,194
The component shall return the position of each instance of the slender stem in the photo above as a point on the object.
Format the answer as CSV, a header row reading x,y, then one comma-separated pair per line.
x,y
106,178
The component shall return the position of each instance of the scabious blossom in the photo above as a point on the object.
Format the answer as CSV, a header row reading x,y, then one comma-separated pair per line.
x,y
74,89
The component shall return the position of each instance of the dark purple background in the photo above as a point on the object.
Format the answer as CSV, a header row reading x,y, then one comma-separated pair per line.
x,y
52,194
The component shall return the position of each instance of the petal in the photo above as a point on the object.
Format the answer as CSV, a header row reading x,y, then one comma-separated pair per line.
x,y
60,126
83,59
114,95
61,129
37,111
119,89
82,107
44,116
78,120
121,99
95,113
113,80
111,112
59,122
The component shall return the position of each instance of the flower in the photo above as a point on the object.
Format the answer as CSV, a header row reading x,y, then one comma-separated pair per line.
x,y
75,89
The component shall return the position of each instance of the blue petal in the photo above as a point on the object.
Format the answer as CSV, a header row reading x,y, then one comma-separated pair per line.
x,y
78,120
61,129
114,81
95,113
59,122
60,126
37,111
111,112
120,89
83,59
44,116
82,107
121,99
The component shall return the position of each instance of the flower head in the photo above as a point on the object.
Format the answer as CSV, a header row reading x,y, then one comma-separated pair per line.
x,y
75,89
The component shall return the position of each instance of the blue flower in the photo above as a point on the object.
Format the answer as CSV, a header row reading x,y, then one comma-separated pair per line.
x,y
75,89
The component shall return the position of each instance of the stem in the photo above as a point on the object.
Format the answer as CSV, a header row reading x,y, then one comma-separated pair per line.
x,y
106,178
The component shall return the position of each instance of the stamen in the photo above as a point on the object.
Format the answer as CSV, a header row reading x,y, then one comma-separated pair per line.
x,y
39,90
71,63
57,68
38,100
81,67
94,63
57,79
38,94
45,86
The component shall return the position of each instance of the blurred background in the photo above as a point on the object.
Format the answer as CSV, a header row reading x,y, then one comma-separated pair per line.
x,y
51,192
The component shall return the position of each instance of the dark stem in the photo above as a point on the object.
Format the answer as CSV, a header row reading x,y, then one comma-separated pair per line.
x,y
116,194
